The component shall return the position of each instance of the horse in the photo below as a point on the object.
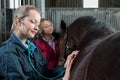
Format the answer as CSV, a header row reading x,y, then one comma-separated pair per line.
x,y
98,43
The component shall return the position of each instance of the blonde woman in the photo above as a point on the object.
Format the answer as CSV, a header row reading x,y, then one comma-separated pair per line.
x,y
48,44
20,59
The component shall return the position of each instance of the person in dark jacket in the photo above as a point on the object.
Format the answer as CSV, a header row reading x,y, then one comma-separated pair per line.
x,y
20,58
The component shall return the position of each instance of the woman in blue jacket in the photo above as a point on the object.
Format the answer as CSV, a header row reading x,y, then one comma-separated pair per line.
x,y
20,59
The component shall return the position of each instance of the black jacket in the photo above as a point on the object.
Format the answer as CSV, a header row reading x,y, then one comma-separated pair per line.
x,y
14,63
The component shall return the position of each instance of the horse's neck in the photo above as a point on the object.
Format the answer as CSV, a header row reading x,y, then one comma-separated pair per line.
x,y
79,68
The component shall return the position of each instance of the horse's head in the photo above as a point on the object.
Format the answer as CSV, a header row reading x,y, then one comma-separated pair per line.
x,y
83,31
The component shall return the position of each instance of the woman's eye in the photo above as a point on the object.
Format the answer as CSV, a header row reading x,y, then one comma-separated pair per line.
x,y
32,21
46,26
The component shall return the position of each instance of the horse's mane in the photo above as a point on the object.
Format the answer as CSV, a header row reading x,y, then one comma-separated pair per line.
x,y
96,42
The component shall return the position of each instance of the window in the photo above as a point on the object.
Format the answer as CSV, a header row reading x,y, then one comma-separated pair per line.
x,y
90,3
15,3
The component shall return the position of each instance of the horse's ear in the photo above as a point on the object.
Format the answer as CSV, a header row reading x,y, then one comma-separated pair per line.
x,y
63,26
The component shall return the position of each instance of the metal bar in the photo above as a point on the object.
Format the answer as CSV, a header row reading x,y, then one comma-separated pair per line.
x,y
14,4
107,16
19,3
23,2
5,31
41,5
0,4
33,2
43,8
28,2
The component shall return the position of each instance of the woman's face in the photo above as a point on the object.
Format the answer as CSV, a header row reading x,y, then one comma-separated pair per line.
x,y
47,27
29,25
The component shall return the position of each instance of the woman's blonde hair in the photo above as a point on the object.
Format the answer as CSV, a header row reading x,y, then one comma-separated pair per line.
x,y
22,12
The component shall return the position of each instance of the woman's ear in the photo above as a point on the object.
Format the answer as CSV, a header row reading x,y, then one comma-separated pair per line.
x,y
18,21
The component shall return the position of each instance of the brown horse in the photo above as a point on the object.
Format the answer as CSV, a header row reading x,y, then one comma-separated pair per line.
x,y
99,57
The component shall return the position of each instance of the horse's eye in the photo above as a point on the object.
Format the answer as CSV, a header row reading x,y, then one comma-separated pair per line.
x,y
67,46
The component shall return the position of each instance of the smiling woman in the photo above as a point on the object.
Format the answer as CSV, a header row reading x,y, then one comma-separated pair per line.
x,y
48,43
20,57
25,23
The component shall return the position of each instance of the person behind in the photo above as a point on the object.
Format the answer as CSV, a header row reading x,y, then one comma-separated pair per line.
x,y
47,43
20,59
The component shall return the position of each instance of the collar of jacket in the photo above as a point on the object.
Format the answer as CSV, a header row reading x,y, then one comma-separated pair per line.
x,y
52,39
31,47
15,39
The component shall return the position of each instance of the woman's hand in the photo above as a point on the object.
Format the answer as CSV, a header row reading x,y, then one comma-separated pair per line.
x,y
69,63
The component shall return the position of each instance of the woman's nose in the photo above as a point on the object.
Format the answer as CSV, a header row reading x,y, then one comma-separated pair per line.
x,y
36,27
